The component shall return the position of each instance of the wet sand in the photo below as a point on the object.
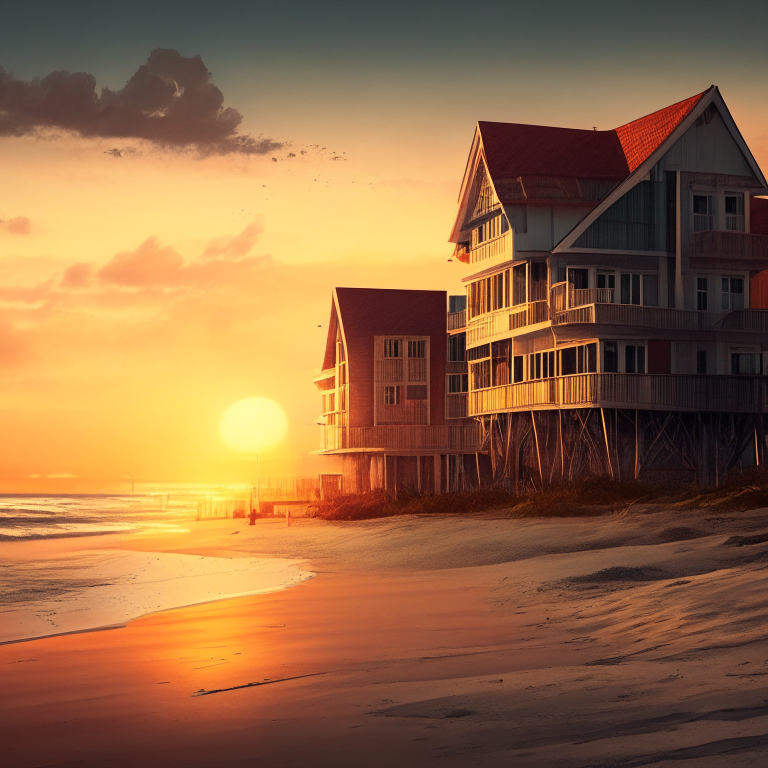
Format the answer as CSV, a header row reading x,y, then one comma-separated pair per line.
x,y
628,640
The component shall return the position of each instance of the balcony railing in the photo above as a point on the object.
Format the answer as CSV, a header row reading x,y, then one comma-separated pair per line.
x,y
485,326
733,394
755,320
564,296
464,438
498,248
457,320
728,245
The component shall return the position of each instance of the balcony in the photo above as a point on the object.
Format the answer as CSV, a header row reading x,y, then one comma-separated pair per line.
x,y
750,320
729,246
502,321
466,438
457,320
499,249
731,394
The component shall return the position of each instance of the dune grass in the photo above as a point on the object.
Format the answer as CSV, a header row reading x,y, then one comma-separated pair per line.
x,y
579,499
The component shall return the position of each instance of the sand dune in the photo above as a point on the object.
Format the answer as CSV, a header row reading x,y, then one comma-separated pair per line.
x,y
624,640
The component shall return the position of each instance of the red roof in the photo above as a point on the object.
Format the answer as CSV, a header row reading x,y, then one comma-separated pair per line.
x,y
758,216
513,150
641,137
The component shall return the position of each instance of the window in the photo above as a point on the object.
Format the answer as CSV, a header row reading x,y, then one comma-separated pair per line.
x,y
518,365
538,281
634,358
518,285
393,348
610,357
651,290
501,352
541,365
606,280
745,364
630,289
702,213
734,211
391,395
417,349
581,359
701,361
498,291
578,278
457,303
457,348
701,293
733,293
481,374
478,353
458,382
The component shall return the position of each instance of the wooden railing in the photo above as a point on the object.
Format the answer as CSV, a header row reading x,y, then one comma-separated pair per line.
x,y
734,394
581,296
755,320
499,247
456,406
467,437
457,320
744,320
510,319
728,245
563,296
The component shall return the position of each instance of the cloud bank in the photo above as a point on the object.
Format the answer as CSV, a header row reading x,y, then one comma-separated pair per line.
x,y
169,101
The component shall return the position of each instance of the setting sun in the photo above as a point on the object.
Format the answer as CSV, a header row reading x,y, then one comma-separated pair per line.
x,y
253,425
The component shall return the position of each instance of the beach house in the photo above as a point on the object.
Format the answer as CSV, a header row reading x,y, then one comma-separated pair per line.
x,y
615,323
394,392
617,297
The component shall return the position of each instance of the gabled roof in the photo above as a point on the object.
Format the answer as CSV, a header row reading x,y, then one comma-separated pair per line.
x,y
523,161
513,150
641,137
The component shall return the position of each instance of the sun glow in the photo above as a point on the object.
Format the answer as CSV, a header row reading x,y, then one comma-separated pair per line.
x,y
253,425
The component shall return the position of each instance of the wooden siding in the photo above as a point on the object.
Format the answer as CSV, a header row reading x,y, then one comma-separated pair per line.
x,y
732,394
456,406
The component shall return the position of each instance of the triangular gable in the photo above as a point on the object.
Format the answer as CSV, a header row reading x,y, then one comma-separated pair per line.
x,y
329,360
640,139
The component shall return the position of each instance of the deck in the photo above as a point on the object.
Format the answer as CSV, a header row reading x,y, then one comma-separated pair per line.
x,y
729,394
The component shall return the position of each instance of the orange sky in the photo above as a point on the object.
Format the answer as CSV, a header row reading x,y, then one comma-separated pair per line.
x,y
149,292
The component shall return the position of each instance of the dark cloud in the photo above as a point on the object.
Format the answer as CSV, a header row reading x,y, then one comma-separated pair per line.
x,y
169,101
21,225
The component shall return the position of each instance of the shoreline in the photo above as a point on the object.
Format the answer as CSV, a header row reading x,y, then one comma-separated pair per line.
x,y
497,642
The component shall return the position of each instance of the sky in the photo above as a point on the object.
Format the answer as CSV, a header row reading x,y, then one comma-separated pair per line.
x,y
174,217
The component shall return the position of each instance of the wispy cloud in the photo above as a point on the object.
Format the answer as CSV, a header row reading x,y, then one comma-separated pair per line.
x,y
169,101
21,225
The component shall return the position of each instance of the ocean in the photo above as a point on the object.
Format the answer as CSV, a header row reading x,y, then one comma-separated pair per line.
x,y
159,507
77,586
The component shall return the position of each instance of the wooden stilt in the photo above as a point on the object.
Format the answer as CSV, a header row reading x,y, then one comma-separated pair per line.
x,y
607,446
538,452
637,446
560,435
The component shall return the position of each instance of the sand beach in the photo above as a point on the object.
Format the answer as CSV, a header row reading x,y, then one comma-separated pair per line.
x,y
629,639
